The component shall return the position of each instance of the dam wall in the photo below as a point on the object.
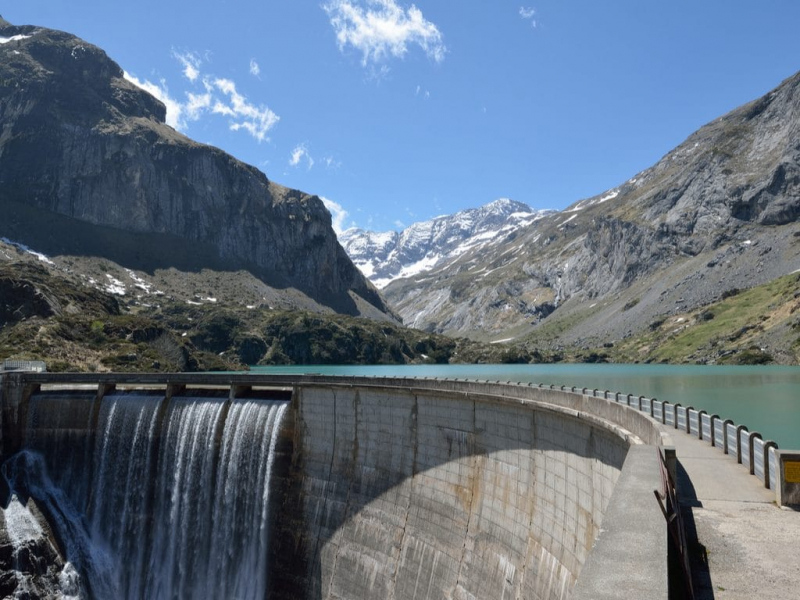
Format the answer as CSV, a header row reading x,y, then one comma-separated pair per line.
x,y
405,488
430,494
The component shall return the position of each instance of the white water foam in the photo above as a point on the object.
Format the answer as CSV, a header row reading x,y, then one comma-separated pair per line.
x,y
174,501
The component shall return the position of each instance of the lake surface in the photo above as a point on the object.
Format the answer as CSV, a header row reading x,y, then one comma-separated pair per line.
x,y
763,398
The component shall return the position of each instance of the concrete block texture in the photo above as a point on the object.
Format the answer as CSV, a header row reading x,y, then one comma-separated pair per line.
x,y
403,493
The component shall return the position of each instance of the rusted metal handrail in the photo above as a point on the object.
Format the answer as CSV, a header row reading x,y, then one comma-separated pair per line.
x,y
668,502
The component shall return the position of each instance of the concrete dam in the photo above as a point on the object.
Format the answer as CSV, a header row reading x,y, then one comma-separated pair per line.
x,y
241,486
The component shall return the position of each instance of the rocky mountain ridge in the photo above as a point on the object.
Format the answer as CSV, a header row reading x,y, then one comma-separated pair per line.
x,y
387,256
717,213
84,150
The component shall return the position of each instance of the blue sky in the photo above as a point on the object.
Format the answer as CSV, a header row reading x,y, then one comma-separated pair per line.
x,y
397,112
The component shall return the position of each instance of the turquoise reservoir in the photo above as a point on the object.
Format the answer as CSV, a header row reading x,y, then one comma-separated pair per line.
x,y
765,399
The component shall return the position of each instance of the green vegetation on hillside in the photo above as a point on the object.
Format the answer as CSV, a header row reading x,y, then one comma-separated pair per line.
x,y
44,316
72,327
734,330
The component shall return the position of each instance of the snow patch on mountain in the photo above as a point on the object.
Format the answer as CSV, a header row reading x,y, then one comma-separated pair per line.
x,y
386,256
25,249
609,195
13,38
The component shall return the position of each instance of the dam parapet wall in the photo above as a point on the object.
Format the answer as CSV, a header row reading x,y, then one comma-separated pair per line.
x,y
441,494
427,488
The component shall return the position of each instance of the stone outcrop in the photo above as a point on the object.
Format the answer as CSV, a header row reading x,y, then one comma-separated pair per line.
x,y
719,211
80,141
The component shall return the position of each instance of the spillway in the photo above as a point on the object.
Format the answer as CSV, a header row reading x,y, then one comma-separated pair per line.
x,y
353,489
150,498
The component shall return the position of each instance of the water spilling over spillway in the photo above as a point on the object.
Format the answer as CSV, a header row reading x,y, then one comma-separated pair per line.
x,y
147,497
360,488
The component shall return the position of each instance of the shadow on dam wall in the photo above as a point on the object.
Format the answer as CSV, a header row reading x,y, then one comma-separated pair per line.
x,y
404,489
397,493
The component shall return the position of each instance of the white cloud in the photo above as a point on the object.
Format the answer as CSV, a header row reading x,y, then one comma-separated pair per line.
x,y
380,29
220,97
331,162
298,154
175,110
399,224
377,73
191,64
255,70
528,14
338,214
196,105
256,120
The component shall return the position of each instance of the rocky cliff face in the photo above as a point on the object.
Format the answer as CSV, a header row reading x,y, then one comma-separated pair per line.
x,y
718,212
78,140
387,256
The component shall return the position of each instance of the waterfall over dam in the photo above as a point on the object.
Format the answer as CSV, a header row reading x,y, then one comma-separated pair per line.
x,y
356,488
152,498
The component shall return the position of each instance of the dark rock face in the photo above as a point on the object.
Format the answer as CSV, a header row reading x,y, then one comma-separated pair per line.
x,y
31,566
20,300
79,140
26,293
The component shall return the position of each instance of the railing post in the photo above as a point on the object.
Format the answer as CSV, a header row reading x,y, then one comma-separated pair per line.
x,y
739,429
767,445
652,407
725,424
711,428
671,460
675,408
700,414
753,435
664,405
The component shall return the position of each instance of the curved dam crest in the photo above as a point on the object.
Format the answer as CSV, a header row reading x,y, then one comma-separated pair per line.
x,y
421,495
376,488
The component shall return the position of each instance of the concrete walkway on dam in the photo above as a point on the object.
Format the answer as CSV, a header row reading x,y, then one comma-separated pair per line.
x,y
746,546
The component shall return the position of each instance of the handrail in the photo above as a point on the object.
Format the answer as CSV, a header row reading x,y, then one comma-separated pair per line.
x,y
761,457
670,508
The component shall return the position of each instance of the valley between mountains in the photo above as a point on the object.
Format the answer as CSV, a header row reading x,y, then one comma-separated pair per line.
x,y
125,245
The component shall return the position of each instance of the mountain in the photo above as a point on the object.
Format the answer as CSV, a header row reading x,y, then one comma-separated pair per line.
x,y
387,256
88,168
52,315
716,215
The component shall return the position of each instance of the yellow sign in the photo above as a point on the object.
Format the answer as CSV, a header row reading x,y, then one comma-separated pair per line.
x,y
791,472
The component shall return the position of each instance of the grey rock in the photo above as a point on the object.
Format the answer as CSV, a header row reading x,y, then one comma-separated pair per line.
x,y
710,206
79,140
390,255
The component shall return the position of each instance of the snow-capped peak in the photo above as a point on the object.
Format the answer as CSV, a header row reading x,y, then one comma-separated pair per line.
x,y
386,256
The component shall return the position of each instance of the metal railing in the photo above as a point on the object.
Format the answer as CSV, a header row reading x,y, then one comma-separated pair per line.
x,y
35,366
670,508
747,448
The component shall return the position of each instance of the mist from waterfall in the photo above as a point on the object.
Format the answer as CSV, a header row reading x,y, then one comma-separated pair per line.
x,y
151,497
